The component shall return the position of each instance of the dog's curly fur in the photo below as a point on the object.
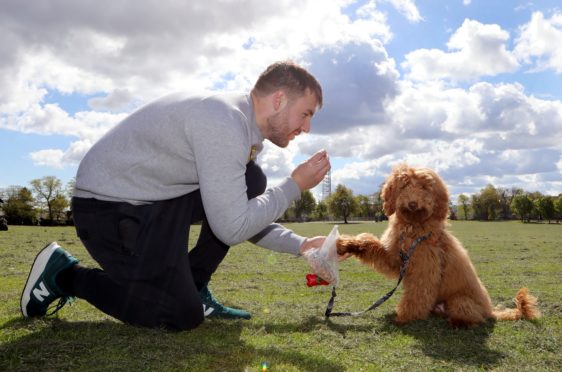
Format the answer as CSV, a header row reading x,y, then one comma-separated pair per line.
x,y
440,277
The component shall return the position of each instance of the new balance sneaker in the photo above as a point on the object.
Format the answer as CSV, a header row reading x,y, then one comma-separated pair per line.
x,y
41,288
214,309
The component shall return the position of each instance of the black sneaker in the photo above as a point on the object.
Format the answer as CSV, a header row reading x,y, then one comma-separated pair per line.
x,y
41,288
214,309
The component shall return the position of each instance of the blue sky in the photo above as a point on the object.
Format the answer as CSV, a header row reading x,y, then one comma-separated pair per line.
x,y
468,88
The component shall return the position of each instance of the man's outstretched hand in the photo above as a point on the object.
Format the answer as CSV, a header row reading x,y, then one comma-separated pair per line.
x,y
309,173
316,242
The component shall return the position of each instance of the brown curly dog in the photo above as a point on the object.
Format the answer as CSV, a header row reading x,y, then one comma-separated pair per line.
x,y
440,277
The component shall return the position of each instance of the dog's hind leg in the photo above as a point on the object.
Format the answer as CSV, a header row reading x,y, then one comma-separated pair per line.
x,y
417,302
463,312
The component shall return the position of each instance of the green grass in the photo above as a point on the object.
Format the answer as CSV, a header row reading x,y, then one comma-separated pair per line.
x,y
288,330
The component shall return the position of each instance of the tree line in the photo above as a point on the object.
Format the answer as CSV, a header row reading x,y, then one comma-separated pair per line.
x,y
493,203
490,204
44,202
341,204
47,202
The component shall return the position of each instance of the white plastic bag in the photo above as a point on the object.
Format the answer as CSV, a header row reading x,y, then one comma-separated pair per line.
x,y
324,260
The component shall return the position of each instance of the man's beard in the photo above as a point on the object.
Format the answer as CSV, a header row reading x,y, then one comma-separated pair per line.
x,y
278,126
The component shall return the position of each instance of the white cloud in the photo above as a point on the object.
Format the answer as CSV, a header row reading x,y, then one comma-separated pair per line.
x,y
76,152
501,112
59,159
357,79
50,158
475,50
127,57
51,119
47,119
277,162
151,48
408,9
438,115
539,42
464,134
114,101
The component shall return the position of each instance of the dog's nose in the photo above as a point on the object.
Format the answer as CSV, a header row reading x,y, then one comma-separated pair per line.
x,y
413,205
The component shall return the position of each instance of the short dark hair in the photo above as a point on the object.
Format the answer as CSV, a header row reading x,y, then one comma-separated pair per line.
x,y
292,78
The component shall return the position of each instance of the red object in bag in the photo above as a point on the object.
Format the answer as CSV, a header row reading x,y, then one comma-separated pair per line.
x,y
312,280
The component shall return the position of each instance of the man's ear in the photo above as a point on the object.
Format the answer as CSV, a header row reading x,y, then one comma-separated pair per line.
x,y
280,100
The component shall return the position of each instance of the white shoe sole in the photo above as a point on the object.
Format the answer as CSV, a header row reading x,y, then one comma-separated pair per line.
x,y
36,270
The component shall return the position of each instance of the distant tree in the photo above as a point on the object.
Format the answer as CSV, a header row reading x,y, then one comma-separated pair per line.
x,y
59,207
534,197
305,205
3,221
558,208
47,190
364,206
342,203
464,204
486,204
288,215
69,190
545,205
478,207
321,210
505,196
452,211
18,206
522,206
377,205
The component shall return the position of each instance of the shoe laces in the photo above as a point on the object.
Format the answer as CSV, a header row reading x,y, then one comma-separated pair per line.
x,y
60,304
209,298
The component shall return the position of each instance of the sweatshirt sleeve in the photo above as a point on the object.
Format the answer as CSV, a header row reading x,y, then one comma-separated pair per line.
x,y
221,148
280,239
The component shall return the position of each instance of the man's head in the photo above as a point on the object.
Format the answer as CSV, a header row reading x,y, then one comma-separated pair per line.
x,y
293,79
286,96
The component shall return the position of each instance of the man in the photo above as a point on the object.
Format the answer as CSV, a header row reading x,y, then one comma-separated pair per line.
x,y
173,162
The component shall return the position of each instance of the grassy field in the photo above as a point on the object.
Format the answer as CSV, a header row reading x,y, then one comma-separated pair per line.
x,y
288,330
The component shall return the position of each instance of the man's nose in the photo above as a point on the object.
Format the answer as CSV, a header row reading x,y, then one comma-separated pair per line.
x,y
306,126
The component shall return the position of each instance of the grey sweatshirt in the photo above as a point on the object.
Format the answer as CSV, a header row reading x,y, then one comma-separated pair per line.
x,y
179,144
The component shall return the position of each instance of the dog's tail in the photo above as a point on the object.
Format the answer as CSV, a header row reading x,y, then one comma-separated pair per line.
x,y
526,308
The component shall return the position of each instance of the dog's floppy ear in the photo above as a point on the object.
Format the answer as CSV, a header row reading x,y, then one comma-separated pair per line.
x,y
390,189
441,197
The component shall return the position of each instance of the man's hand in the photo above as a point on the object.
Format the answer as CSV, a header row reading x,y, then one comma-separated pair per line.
x,y
312,243
316,243
309,173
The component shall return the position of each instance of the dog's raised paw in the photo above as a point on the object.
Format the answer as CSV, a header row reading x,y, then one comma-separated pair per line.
x,y
348,244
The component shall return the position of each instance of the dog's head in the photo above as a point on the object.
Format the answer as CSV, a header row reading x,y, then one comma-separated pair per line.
x,y
415,194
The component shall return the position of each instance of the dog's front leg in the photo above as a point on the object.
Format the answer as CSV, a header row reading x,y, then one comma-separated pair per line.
x,y
371,251
421,285
360,245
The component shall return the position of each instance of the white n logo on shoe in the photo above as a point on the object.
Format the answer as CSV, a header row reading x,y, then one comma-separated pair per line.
x,y
206,310
41,293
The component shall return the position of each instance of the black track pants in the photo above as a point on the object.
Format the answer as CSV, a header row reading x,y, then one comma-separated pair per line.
x,y
148,278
